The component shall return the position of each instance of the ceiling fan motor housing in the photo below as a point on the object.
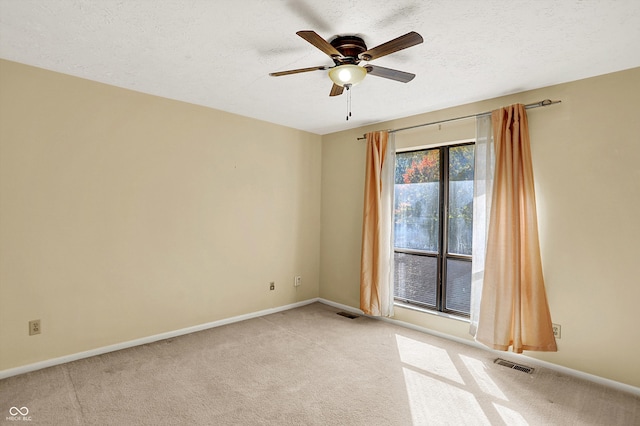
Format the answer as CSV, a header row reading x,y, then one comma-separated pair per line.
x,y
350,47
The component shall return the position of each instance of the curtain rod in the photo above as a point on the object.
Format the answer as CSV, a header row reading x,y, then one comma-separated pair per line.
x,y
543,103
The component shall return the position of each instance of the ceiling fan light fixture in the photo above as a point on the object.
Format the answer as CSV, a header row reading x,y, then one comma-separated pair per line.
x,y
347,74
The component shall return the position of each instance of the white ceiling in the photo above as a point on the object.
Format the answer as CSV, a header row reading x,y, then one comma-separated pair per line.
x,y
218,53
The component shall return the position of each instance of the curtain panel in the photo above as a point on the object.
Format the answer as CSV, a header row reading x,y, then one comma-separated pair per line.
x,y
376,264
482,191
513,309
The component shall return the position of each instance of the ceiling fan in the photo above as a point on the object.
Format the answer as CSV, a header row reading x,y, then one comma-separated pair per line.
x,y
348,51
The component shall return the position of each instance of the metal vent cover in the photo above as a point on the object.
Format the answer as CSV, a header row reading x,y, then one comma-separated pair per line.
x,y
514,366
348,315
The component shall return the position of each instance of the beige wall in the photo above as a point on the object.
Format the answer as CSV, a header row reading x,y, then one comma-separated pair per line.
x,y
124,215
586,155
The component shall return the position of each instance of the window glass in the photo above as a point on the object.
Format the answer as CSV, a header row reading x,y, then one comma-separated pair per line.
x,y
417,189
460,229
416,278
458,285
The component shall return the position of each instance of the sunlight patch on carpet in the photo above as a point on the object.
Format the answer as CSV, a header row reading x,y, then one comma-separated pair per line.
x,y
479,373
426,396
510,417
428,358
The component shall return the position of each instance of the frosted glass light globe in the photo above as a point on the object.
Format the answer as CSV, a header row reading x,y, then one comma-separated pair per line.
x,y
347,74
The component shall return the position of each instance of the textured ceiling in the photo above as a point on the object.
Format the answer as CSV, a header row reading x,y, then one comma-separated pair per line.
x,y
219,53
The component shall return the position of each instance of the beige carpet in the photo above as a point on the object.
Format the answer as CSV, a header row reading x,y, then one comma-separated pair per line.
x,y
308,366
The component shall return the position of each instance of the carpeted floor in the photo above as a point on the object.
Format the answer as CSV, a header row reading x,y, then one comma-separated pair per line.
x,y
308,366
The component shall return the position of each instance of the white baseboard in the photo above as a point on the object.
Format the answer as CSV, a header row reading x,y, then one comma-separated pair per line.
x,y
145,340
521,358
162,336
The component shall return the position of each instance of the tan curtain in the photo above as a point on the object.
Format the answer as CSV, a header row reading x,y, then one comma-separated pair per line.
x,y
376,265
513,309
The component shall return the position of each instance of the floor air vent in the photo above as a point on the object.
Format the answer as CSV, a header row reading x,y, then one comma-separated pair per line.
x,y
348,315
513,365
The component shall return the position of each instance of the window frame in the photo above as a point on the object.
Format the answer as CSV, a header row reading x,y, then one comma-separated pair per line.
x,y
442,255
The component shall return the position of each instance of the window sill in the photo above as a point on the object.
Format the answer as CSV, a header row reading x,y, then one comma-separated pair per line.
x,y
431,312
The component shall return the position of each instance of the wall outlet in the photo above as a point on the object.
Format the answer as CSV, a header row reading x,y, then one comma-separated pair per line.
x,y
34,327
272,285
556,330
297,281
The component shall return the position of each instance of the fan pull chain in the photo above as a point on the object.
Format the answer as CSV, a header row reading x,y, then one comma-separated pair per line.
x,y
348,86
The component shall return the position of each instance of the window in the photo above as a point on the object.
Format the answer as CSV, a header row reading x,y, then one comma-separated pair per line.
x,y
433,228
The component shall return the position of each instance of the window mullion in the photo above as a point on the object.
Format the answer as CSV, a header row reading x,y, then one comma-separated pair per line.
x,y
442,246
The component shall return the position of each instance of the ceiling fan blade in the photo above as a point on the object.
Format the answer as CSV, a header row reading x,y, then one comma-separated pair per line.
x,y
279,73
322,44
402,42
336,90
401,76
